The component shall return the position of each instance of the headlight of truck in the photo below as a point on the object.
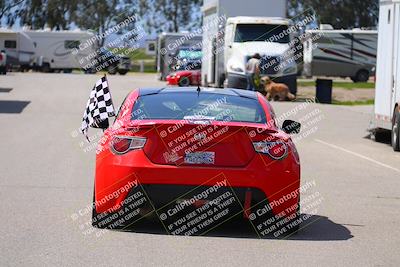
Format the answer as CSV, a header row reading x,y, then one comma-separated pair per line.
x,y
236,68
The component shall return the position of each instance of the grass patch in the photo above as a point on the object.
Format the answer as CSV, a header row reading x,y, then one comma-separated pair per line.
x,y
147,68
354,103
133,54
345,85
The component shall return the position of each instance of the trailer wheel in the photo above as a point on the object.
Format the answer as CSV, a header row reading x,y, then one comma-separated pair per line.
x,y
46,68
361,76
396,131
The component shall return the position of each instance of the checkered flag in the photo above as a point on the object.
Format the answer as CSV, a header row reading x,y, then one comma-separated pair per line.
x,y
98,108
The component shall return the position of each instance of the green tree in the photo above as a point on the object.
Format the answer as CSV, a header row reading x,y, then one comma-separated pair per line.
x,y
102,15
339,13
174,15
7,7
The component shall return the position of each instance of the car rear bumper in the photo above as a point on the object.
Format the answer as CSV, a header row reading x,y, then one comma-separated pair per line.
x,y
172,80
273,180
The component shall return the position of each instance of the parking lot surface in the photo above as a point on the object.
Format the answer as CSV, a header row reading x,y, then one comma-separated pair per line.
x,y
47,170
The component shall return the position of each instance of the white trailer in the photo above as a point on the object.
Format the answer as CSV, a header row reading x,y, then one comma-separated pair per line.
x,y
54,49
340,53
167,46
18,47
234,30
387,91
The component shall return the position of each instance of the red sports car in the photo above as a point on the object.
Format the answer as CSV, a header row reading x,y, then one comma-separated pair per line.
x,y
193,159
184,78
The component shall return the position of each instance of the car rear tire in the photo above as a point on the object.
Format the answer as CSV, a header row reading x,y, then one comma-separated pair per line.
x,y
184,81
97,219
396,131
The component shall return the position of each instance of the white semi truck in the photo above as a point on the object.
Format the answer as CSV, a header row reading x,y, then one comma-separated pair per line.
x,y
234,31
387,91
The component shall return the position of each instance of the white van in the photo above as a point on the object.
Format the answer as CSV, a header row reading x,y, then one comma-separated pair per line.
x,y
18,47
387,91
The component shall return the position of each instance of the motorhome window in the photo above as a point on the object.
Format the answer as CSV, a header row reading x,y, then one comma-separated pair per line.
x,y
71,44
261,32
10,44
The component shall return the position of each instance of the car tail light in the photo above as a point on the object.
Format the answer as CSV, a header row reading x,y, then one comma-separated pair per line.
x,y
123,144
276,150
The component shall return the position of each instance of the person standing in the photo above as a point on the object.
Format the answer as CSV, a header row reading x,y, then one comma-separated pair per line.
x,y
252,69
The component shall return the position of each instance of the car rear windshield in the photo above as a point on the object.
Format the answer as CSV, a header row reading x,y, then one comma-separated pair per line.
x,y
191,106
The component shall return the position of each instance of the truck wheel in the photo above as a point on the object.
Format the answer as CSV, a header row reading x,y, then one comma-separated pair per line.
x,y
112,70
3,70
396,131
361,76
221,81
184,81
122,72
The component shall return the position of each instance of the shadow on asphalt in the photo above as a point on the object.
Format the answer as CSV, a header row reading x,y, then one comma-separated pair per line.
x,y
316,228
385,137
5,90
12,107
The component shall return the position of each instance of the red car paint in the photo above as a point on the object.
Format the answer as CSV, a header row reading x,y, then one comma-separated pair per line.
x,y
194,77
236,159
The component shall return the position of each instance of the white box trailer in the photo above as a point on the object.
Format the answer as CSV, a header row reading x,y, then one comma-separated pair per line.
x,y
387,90
340,53
54,49
234,30
18,47
167,46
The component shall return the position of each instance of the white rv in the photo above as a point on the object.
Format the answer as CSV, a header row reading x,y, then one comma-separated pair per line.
x,y
340,53
18,47
168,44
234,30
387,91
54,49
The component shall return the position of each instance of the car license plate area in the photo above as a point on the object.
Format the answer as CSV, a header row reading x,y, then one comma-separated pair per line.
x,y
200,158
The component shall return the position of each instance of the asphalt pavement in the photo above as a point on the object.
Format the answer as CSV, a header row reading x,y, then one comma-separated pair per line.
x,y
47,169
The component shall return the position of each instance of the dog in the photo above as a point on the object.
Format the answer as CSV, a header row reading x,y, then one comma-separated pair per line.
x,y
276,91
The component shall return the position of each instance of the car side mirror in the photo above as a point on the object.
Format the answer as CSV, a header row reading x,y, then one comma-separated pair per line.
x,y
291,127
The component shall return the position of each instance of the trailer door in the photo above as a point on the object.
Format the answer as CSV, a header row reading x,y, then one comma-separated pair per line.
x,y
396,58
384,71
